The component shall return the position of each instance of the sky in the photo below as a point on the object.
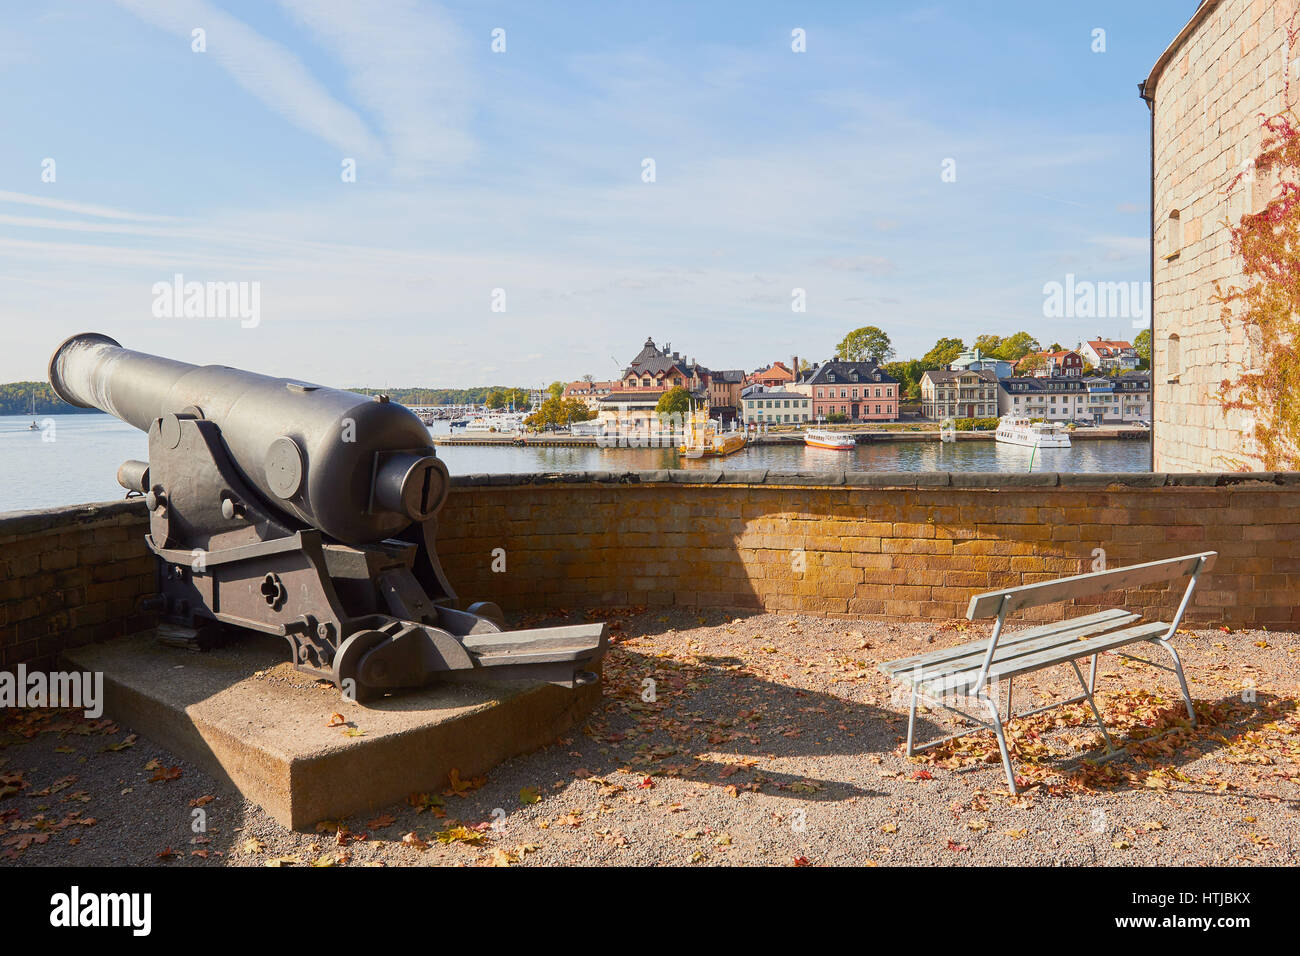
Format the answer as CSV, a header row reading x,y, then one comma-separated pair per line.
x,y
923,167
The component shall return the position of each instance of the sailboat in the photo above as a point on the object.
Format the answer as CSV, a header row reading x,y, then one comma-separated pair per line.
x,y
33,427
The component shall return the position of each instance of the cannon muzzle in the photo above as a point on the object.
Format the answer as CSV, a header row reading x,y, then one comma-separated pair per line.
x,y
360,469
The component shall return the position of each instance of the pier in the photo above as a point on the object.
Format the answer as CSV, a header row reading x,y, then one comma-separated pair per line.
x,y
861,436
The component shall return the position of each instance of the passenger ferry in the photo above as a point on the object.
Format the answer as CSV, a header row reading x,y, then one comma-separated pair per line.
x,y
1021,431
824,438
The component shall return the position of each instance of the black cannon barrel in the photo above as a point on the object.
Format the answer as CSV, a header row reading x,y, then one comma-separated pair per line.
x,y
358,468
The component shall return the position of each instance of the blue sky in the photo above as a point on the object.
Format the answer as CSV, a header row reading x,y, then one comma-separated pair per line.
x,y
522,171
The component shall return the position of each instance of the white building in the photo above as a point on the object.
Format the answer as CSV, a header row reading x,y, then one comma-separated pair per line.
x,y
1102,401
760,405
1108,354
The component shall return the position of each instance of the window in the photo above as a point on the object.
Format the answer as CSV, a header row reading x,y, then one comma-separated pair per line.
x,y
1173,355
1173,235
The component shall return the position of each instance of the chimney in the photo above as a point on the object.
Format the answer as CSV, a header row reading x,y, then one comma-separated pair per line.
x,y
794,366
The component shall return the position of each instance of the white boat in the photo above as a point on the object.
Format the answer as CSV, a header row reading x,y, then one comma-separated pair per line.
x,y
498,422
1021,431
825,438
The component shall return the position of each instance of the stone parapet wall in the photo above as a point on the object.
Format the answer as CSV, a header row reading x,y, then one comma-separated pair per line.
x,y
864,544
906,546
70,576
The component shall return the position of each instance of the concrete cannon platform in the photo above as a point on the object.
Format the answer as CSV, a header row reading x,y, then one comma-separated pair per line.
x,y
247,717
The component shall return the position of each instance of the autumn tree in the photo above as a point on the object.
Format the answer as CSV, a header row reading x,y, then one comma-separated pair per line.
x,y
1029,364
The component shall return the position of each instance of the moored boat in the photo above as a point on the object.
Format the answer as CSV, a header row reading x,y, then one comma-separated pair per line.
x,y
702,439
1031,434
824,438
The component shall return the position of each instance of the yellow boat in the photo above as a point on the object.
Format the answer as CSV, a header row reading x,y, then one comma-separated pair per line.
x,y
702,439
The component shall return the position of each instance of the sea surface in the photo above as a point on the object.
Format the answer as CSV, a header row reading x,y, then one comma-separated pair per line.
x,y
73,459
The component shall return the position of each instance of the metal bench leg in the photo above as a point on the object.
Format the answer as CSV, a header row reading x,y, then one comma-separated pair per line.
x,y
1008,700
1110,744
1002,744
1182,681
911,721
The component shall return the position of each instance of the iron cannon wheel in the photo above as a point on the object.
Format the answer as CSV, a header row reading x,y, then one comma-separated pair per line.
x,y
347,663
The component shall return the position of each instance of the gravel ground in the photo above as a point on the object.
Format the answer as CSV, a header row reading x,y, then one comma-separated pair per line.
x,y
764,740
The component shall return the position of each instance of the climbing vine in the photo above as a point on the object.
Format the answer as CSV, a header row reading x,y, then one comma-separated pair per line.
x,y
1267,306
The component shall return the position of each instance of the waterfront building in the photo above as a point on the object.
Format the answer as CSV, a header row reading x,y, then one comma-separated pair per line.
x,y
1097,399
761,405
959,393
860,391
590,392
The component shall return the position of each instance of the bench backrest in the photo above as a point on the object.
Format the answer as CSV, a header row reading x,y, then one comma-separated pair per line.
x,y
1082,585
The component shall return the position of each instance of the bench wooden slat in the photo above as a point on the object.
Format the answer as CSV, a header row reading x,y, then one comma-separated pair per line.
x,y
974,653
1094,645
1116,614
1082,585
1056,655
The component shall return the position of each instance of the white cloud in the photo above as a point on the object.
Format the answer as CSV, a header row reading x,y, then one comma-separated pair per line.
x,y
405,63
85,209
265,69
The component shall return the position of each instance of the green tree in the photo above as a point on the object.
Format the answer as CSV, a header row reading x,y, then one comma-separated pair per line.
x,y
495,398
556,389
944,351
908,372
1015,347
989,344
1142,345
867,342
675,401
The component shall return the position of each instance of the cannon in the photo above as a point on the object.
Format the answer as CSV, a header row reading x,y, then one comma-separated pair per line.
x,y
307,512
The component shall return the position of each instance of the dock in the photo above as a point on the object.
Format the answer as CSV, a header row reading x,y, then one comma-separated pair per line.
x,y
862,437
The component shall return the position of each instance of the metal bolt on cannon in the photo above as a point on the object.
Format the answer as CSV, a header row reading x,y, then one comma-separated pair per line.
x,y
307,512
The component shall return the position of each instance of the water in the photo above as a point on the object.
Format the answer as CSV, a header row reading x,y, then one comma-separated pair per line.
x,y
78,463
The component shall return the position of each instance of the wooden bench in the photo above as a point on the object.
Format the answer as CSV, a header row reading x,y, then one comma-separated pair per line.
x,y
971,669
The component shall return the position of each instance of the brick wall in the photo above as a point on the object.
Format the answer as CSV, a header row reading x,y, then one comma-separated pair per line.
x,y
71,576
1209,94
878,545
869,544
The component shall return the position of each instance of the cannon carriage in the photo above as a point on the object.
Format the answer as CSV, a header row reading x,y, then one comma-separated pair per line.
x,y
310,513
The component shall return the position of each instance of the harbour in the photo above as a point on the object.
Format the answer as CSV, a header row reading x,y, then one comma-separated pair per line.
x,y
71,459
